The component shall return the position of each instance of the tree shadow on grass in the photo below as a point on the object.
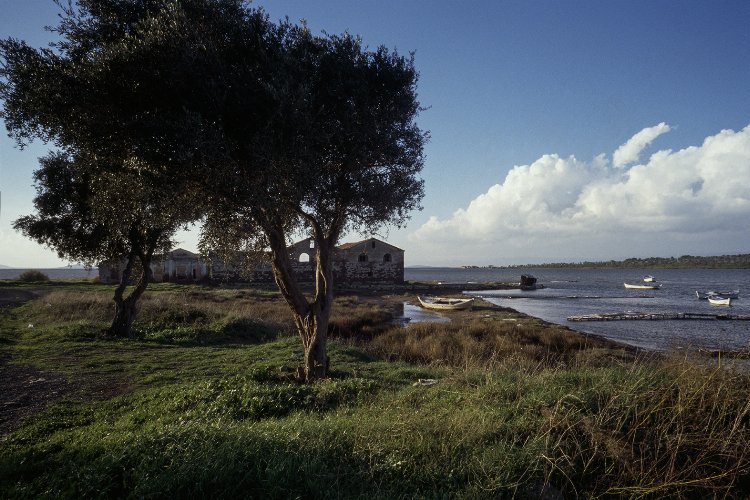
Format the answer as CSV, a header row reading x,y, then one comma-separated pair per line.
x,y
240,331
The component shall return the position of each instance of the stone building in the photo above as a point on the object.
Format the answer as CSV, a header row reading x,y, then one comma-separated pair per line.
x,y
367,261
179,265
362,262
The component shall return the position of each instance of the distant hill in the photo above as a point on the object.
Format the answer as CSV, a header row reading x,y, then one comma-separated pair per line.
x,y
4,267
741,261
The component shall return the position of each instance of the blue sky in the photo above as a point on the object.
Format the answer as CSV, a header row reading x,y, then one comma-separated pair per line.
x,y
527,103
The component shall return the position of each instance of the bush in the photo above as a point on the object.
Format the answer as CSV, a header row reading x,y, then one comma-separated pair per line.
x,y
33,275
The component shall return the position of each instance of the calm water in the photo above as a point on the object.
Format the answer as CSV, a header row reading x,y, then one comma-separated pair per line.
x,y
571,292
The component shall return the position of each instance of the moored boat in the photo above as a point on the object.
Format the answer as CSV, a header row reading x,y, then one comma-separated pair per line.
x,y
718,300
445,304
638,286
528,282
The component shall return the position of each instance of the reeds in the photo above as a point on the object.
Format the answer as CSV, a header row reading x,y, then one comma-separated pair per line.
x,y
490,344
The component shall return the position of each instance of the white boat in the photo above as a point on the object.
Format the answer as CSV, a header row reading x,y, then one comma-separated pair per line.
x,y
445,304
718,300
649,279
638,286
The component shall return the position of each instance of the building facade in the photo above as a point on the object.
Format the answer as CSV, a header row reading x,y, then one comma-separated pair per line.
x,y
179,265
367,261
359,263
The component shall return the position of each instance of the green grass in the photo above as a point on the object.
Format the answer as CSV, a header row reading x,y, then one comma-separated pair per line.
x,y
208,406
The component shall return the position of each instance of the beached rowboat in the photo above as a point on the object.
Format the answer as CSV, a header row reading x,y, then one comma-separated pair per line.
x,y
445,304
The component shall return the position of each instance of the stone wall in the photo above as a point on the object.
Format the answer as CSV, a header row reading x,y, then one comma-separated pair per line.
x,y
369,261
179,265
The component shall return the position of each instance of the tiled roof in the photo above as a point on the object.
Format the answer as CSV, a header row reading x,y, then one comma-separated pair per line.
x,y
182,251
347,246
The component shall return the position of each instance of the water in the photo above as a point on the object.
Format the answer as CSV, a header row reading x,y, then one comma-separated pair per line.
x,y
407,313
53,274
572,292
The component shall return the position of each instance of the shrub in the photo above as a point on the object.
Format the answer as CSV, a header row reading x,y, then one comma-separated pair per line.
x,y
32,275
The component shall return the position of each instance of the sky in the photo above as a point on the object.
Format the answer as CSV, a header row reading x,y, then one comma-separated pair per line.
x,y
560,131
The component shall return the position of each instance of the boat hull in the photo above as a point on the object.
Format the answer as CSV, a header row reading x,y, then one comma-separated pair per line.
x,y
641,287
445,304
720,301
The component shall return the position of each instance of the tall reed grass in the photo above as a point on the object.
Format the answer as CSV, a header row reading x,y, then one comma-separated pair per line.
x,y
488,344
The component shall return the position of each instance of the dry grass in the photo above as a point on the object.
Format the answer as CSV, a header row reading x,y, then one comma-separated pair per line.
x,y
658,429
198,309
490,342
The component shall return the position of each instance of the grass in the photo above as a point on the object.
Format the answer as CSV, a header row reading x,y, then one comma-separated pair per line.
x,y
207,406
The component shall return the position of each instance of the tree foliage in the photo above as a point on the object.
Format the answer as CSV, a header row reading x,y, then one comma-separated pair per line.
x,y
112,95
339,150
303,135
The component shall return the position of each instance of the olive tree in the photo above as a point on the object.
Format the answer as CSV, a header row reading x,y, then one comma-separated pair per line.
x,y
121,94
87,215
339,150
264,130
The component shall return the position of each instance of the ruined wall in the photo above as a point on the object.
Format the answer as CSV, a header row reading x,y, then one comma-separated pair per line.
x,y
181,265
369,261
178,266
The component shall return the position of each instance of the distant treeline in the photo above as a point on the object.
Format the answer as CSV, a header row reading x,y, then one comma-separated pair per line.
x,y
741,261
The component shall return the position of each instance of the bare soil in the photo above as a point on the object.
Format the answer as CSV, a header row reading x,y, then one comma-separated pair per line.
x,y
26,390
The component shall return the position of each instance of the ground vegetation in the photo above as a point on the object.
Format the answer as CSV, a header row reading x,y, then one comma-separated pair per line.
x,y
204,402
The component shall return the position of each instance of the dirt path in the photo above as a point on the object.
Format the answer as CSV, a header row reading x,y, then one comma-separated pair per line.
x,y
25,390
15,296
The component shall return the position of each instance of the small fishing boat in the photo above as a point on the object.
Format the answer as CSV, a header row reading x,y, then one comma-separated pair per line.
x,y
528,282
638,286
445,304
718,300
649,279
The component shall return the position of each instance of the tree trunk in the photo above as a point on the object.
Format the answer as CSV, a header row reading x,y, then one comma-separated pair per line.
x,y
314,336
316,331
311,319
122,324
125,307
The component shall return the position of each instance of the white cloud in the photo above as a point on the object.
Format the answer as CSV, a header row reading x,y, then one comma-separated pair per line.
x,y
629,152
693,200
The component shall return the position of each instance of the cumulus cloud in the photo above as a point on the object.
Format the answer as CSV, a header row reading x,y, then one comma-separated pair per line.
x,y
629,152
693,199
